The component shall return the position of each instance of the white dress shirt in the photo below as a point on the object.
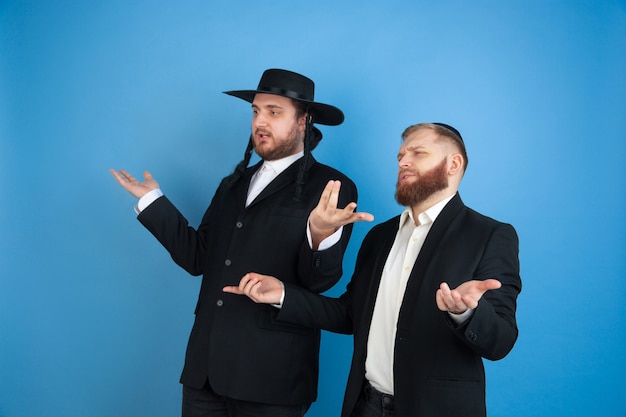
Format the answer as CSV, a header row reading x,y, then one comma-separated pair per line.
x,y
406,247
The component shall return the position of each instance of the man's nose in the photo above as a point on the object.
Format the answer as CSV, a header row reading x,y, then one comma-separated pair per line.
x,y
403,162
259,120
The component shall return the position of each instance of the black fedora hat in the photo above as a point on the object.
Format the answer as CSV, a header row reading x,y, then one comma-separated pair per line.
x,y
298,87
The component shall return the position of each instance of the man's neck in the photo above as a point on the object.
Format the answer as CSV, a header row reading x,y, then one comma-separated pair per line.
x,y
431,201
279,165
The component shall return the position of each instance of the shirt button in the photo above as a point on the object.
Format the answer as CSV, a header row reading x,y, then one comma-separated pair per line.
x,y
220,303
227,262
239,225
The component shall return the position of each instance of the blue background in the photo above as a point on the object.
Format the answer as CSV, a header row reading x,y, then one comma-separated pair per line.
x,y
94,315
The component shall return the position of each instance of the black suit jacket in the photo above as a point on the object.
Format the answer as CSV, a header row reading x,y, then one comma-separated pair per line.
x,y
236,344
438,368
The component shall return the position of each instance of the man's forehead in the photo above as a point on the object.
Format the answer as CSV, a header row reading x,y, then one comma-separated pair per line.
x,y
421,137
271,100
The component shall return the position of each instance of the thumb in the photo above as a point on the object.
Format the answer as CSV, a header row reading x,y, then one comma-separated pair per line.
x,y
232,289
490,284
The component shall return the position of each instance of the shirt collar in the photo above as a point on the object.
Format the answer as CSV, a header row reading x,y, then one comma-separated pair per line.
x,y
427,216
279,165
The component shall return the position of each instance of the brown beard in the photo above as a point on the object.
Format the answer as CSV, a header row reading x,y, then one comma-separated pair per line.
x,y
427,184
281,150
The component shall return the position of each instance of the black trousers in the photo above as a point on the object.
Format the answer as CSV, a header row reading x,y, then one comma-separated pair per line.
x,y
204,402
373,403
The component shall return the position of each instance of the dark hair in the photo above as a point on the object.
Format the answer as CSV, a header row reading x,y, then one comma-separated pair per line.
x,y
308,147
232,179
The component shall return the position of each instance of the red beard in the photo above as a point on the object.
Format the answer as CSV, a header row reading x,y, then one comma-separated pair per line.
x,y
427,184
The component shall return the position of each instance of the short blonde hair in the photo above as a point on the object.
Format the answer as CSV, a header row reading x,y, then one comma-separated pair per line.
x,y
444,131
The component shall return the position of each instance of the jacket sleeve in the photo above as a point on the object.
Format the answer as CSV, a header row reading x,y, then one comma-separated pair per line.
x,y
318,271
187,246
492,330
337,315
304,308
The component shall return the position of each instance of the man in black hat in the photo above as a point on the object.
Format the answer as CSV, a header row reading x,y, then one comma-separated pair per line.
x,y
418,344
240,361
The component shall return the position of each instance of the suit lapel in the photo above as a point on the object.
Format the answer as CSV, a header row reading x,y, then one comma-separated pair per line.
x,y
244,184
428,251
377,272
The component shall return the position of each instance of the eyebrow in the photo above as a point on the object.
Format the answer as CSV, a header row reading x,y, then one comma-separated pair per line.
x,y
268,106
414,147
411,149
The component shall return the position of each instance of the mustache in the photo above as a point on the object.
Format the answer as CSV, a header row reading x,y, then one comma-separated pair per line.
x,y
403,172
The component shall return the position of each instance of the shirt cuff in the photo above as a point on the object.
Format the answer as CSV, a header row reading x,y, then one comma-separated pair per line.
x,y
282,297
326,243
148,199
461,318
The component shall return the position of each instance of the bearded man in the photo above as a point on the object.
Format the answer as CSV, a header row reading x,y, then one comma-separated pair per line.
x,y
240,362
418,344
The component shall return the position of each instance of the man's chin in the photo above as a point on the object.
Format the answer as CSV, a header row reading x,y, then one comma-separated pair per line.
x,y
263,150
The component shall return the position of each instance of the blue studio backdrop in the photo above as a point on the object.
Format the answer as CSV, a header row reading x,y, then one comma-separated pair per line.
x,y
94,315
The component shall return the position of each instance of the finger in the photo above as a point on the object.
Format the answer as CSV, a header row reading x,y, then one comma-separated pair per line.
x,y
323,203
359,217
446,296
247,282
122,179
457,299
127,175
470,302
233,290
365,217
254,291
490,284
453,299
348,210
147,176
116,175
440,301
334,196
445,288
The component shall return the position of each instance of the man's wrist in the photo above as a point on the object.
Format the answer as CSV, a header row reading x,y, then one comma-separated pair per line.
x,y
461,317
282,297
147,199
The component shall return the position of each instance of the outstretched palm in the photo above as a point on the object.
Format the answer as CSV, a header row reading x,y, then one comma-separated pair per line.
x,y
132,185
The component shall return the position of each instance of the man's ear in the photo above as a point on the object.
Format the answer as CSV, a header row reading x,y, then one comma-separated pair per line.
x,y
456,164
302,122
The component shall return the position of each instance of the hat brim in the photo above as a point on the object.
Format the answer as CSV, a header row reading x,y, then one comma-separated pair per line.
x,y
324,114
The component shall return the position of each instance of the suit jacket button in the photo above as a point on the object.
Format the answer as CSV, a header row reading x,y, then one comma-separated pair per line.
x,y
220,303
472,335
227,262
239,225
